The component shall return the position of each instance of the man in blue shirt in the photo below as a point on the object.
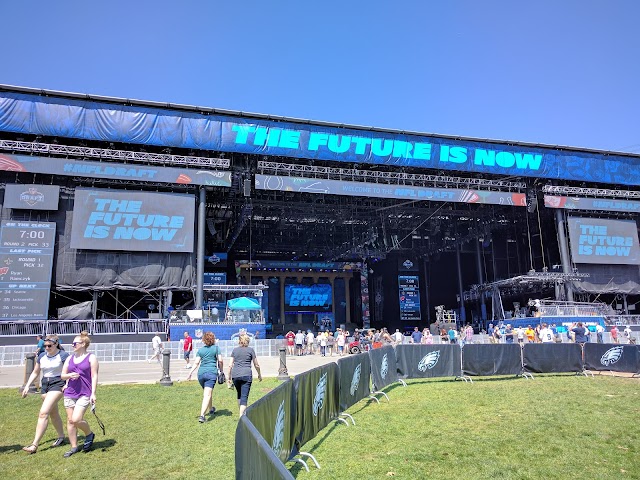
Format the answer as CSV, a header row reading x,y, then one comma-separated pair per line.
x,y
416,336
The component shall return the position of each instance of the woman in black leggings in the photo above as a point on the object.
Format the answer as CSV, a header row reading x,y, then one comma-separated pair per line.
x,y
240,372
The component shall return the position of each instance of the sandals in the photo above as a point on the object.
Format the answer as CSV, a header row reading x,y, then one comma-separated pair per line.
x,y
71,452
57,442
88,442
31,449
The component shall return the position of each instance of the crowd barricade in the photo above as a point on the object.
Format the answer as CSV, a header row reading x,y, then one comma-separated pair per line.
x,y
254,457
428,361
384,369
317,401
355,379
552,357
486,360
612,358
274,417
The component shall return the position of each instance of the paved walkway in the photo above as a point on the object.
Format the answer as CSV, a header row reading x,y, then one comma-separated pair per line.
x,y
143,372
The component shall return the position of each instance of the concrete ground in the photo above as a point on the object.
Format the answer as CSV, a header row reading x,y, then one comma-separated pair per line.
x,y
143,372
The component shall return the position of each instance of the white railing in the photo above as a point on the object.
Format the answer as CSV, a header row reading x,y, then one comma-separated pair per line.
x,y
74,327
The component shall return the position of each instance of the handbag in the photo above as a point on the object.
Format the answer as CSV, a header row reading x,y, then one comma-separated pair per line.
x,y
221,377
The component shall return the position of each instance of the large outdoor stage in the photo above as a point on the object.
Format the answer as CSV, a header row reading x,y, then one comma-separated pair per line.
x,y
116,211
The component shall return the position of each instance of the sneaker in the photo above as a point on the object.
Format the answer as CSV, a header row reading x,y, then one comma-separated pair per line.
x,y
71,452
57,442
201,419
188,367
212,411
88,442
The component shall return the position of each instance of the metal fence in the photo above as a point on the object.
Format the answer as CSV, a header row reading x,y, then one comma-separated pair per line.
x,y
74,327
13,355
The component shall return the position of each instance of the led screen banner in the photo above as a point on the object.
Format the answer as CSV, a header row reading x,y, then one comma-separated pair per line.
x,y
31,197
361,189
115,171
26,260
409,293
92,119
132,221
604,241
316,297
602,204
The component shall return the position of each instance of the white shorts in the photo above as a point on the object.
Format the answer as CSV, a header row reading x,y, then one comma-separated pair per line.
x,y
83,402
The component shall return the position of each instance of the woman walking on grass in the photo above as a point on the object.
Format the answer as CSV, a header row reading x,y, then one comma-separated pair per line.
x,y
81,372
208,361
50,363
240,372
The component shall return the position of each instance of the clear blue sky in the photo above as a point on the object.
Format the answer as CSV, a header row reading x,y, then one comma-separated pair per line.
x,y
549,71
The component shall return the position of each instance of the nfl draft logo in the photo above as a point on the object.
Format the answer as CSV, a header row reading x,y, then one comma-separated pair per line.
x,y
384,366
198,333
355,380
321,391
429,361
611,356
407,264
278,431
32,196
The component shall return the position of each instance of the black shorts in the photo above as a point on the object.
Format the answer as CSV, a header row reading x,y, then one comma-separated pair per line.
x,y
52,384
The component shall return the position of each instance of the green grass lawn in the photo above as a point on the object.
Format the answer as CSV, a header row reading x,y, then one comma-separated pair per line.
x,y
551,427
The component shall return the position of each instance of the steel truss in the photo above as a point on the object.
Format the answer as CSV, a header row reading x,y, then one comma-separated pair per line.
x,y
112,154
275,168
594,192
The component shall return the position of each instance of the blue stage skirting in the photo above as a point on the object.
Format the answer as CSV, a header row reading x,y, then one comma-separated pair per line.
x,y
222,331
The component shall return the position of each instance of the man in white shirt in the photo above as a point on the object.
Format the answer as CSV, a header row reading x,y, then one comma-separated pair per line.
x,y
546,334
397,337
156,344
627,333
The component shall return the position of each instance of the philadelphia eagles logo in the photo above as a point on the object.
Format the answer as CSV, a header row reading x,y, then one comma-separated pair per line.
x,y
355,380
429,361
321,390
611,356
384,367
278,431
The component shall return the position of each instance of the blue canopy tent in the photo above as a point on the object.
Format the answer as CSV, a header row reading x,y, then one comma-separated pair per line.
x,y
243,303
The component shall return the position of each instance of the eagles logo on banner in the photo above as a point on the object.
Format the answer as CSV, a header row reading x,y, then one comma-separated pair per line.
x,y
321,389
384,366
355,381
429,361
278,431
611,356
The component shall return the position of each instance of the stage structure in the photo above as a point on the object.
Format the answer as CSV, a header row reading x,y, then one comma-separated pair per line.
x,y
115,210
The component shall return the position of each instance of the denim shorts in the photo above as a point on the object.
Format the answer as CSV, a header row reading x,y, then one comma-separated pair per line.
x,y
208,379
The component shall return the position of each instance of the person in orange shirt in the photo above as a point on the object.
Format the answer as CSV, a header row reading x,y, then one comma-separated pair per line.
x,y
530,333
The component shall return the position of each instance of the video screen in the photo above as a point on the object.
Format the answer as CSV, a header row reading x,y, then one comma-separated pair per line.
x,y
308,298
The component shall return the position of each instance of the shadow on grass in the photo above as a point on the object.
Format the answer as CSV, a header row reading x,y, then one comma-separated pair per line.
x,y
10,448
222,413
102,445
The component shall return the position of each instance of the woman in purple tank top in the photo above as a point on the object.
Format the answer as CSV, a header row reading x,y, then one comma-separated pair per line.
x,y
81,373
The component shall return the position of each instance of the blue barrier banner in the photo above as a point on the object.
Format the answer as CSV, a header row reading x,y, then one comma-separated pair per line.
x,y
502,359
254,458
317,399
384,369
92,119
611,357
602,204
381,190
552,357
116,171
355,379
428,361
274,416
132,221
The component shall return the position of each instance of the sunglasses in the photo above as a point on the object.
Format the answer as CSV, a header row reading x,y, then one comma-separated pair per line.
x,y
77,343
48,345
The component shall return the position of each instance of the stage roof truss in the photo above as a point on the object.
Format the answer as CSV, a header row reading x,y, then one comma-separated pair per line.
x,y
82,152
376,176
587,191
